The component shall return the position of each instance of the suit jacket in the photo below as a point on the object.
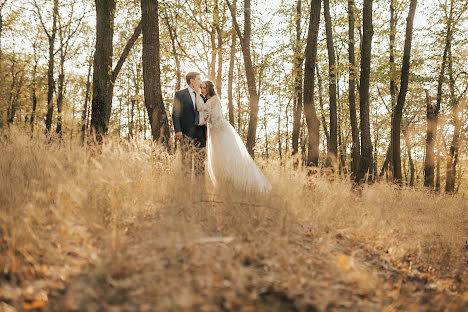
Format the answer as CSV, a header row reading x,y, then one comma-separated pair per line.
x,y
185,118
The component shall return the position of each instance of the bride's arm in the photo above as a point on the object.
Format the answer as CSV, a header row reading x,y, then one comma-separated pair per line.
x,y
199,102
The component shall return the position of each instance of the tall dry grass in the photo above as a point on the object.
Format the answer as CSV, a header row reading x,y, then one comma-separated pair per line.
x,y
64,206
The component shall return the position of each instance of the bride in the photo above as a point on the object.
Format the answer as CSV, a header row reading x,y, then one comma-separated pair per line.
x,y
228,159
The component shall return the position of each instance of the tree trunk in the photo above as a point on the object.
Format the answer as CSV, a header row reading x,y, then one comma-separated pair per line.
x,y
173,37
212,64
437,178
332,145
398,112
309,84
61,83
84,116
267,152
50,70
393,71
440,82
219,34
231,76
452,157
151,72
103,79
102,63
279,130
410,158
33,88
365,162
430,137
250,73
128,46
297,75
324,120
355,149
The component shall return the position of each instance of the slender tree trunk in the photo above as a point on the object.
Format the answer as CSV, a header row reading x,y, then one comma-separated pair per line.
x,y
128,46
324,120
267,152
388,163
286,143
34,89
297,74
393,70
84,116
452,157
231,76
309,84
332,145
151,72
239,104
398,112
219,51
279,130
61,82
410,158
212,63
50,70
355,149
430,140
365,162
437,179
102,63
1,36
172,36
11,94
250,73
448,37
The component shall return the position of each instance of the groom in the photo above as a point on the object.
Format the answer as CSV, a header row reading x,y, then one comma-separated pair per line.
x,y
187,128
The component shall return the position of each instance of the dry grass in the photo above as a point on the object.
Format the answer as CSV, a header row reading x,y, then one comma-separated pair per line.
x,y
119,227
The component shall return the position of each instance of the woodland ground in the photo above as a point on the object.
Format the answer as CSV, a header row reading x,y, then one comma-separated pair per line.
x,y
109,230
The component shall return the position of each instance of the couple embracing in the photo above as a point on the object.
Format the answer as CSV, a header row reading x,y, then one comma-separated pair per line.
x,y
203,132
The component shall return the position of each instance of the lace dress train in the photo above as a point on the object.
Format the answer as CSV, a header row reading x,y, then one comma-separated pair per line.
x,y
228,161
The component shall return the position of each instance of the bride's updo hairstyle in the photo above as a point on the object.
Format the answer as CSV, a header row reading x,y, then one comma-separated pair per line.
x,y
210,89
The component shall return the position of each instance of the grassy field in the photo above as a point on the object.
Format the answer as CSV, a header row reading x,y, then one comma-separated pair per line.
x,y
118,228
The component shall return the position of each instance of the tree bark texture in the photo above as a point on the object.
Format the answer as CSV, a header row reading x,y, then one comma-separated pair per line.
x,y
309,84
355,149
250,73
365,162
398,112
297,75
332,145
151,72
102,75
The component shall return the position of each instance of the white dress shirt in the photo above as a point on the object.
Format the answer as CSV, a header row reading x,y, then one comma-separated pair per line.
x,y
201,115
192,95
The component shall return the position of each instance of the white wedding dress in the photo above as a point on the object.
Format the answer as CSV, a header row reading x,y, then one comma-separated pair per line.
x,y
228,161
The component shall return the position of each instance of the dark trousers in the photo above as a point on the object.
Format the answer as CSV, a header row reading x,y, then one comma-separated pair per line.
x,y
193,154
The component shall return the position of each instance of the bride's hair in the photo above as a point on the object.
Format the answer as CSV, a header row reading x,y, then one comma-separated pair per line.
x,y
210,88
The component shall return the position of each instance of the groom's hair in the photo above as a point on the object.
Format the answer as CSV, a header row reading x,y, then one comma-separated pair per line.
x,y
191,75
210,89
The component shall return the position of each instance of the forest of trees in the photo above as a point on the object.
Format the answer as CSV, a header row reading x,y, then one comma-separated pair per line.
x,y
368,89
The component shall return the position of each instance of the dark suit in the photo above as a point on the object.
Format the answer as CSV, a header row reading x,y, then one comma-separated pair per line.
x,y
185,120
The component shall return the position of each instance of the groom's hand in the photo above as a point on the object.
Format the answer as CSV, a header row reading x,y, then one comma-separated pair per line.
x,y
178,136
196,88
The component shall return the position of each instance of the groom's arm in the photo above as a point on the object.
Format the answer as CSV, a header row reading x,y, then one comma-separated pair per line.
x,y
176,113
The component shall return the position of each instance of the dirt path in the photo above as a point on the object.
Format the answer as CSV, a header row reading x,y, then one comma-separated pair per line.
x,y
161,267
